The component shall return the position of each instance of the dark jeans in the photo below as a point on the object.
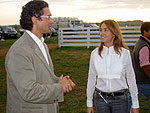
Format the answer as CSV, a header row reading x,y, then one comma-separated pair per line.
x,y
142,89
111,104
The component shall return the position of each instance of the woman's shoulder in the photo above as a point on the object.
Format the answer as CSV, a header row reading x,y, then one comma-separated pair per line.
x,y
95,50
125,50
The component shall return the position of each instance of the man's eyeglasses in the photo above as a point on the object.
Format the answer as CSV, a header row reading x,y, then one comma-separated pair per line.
x,y
48,17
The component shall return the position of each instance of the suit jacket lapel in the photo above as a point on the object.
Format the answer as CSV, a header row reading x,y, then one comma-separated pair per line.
x,y
49,58
50,61
38,52
40,55
50,66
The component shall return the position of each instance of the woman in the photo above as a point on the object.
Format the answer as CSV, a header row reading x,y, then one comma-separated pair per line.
x,y
109,72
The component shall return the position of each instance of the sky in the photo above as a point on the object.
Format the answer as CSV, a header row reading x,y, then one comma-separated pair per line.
x,y
86,10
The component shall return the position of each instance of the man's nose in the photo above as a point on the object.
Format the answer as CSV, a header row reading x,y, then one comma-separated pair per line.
x,y
51,21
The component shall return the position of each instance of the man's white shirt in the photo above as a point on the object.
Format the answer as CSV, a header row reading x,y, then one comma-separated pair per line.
x,y
40,44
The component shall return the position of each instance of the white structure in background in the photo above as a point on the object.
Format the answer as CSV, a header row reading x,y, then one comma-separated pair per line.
x,y
94,25
67,22
90,36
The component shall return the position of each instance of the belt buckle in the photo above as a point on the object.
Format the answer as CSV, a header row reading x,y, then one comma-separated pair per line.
x,y
112,94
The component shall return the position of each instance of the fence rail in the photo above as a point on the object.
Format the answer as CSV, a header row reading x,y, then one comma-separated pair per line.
x,y
90,36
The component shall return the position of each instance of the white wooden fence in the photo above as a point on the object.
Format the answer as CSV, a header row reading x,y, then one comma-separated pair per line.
x,y
89,36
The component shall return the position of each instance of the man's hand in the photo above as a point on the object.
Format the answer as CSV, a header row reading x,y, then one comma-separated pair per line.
x,y
135,110
67,83
70,81
90,110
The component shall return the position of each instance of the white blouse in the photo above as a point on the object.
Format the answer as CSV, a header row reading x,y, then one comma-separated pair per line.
x,y
110,72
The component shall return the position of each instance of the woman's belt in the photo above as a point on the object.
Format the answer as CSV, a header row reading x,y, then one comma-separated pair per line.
x,y
116,93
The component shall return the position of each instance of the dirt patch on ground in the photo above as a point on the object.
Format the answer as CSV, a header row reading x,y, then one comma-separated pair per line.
x,y
51,46
3,52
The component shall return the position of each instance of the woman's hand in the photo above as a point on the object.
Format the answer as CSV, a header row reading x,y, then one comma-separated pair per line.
x,y
90,110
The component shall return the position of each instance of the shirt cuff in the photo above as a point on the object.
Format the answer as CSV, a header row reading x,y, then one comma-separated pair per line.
x,y
89,103
135,104
144,64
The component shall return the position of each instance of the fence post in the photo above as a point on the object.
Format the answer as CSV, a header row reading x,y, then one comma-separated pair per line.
x,y
60,37
88,37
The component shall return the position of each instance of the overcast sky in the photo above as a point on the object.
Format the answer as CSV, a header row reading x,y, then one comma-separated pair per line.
x,y
86,10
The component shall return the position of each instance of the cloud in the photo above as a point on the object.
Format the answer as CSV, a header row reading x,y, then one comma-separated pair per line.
x,y
93,4
108,4
87,10
61,2
130,3
84,5
7,1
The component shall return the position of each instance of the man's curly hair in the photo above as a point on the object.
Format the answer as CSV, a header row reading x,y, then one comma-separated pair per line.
x,y
32,8
145,27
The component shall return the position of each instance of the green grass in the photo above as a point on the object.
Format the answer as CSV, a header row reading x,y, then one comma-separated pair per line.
x,y
72,61
2,85
51,40
6,44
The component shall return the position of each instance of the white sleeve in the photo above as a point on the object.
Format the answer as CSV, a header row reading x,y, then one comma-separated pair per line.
x,y
130,74
91,81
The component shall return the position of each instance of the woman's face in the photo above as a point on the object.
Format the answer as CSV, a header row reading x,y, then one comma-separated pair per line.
x,y
106,35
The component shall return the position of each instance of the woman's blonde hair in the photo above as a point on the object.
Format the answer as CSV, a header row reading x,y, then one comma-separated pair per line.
x,y
118,42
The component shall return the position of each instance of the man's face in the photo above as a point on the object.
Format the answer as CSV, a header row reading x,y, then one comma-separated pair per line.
x,y
147,34
45,21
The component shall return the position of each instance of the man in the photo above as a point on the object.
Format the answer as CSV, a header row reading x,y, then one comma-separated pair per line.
x,y
32,86
141,62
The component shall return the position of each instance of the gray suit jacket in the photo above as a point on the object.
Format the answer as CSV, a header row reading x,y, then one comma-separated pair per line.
x,y
31,84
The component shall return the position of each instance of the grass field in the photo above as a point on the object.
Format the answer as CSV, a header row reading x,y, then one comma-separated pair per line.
x,y
73,61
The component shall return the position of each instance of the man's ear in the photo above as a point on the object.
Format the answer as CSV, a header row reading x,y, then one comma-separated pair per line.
x,y
34,20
